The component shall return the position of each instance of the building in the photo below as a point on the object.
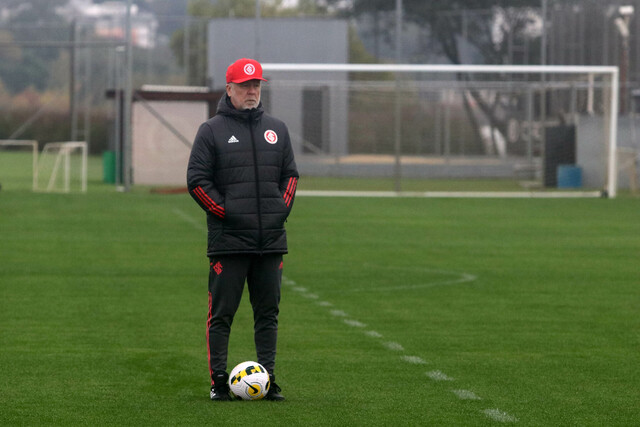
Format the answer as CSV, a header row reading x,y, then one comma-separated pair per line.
x,y
108,20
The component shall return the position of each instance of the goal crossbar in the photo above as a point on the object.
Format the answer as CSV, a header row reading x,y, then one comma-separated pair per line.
x,y
610,71
445,68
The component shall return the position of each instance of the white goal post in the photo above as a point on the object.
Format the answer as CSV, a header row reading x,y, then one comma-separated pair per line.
x,y
279,73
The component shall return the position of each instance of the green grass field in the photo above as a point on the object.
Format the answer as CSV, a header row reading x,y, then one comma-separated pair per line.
x,y
394,312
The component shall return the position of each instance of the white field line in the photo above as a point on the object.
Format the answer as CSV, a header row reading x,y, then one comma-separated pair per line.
x,y
454,194
499,416
394,346
464,278
439,376
466,395
494,414
324,304
451,278
415,360
338,313
310,296
354,323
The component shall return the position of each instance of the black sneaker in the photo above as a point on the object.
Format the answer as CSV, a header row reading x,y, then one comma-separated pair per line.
x,y
220,388
274,391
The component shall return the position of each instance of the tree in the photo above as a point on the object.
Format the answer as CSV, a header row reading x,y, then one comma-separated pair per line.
x,y
31,71
488,26
33,11
488,33
24,67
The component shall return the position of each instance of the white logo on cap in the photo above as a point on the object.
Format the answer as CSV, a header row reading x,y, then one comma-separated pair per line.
x,y
271,137
249,69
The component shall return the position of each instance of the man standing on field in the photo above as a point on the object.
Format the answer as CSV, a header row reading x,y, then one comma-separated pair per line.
x,y
243,174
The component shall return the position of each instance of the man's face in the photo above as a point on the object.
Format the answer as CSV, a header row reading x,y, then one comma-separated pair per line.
x,y
246,95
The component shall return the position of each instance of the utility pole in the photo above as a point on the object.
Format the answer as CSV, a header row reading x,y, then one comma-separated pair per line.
x,y
128,87
256,30
623,23
72,79
543,41
543,79
398,102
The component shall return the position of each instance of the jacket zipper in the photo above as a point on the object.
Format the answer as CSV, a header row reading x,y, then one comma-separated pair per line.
x,y
255,166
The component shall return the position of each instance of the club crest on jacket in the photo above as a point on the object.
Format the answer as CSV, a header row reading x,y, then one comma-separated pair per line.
x,y
271,136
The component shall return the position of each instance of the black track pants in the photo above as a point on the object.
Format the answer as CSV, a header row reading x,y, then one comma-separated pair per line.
x,y
227,275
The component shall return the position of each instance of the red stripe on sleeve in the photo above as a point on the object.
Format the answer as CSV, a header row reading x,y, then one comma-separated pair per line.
x,y
196,191
286,193
288,187
205,202
291,190
208,202
213,206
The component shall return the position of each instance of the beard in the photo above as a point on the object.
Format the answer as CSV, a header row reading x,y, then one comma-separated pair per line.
x,y
251,103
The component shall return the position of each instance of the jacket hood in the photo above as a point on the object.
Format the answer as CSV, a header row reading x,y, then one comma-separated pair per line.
x,y
226,108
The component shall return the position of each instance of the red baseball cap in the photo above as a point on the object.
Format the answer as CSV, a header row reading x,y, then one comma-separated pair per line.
x,y
243,70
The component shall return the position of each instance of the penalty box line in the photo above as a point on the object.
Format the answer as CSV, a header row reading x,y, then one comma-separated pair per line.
x,y
435,375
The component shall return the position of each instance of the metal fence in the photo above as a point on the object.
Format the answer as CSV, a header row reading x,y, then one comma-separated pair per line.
x,y
79,65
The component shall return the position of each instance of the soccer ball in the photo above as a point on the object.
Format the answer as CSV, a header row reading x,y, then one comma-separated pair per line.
x,y
249,381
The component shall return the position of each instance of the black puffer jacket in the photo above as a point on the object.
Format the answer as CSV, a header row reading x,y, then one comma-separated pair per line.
x,y
243,174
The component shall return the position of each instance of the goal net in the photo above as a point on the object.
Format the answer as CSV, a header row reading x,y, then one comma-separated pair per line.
x,y
450,130
62,167
18,164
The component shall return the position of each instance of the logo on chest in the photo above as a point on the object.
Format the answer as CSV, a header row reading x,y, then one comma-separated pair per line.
x,y
233,139
271,137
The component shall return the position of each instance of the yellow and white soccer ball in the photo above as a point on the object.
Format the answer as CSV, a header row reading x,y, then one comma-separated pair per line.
x,y
249,381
